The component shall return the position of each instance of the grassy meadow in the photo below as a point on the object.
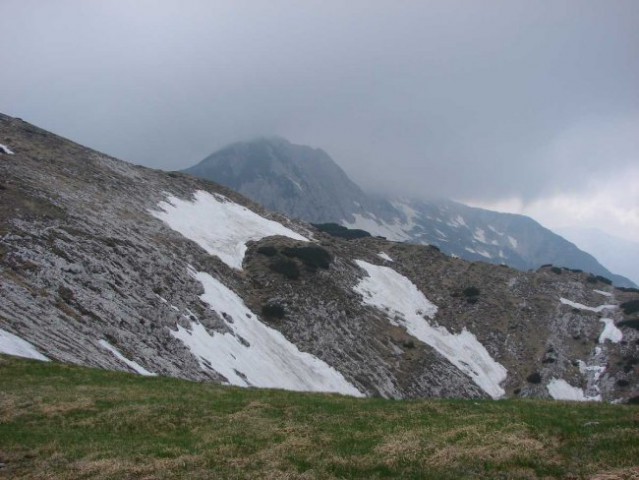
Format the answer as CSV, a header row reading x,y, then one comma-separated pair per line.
x,y
65,422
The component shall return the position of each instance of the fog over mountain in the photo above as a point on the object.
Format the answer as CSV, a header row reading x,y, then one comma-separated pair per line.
x,y
527,106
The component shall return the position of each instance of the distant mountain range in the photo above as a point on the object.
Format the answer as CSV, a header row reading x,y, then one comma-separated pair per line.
x,y
305,183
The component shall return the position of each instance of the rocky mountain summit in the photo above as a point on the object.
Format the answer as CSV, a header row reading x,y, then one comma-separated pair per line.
x,y
112,265
305,183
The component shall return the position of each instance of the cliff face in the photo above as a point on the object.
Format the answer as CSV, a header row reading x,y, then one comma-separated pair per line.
x,y
107,264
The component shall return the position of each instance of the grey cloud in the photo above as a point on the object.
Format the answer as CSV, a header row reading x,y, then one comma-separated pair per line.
x,y
481,100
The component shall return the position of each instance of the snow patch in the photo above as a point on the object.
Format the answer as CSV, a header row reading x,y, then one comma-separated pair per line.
x,y
13,345
253,354
610,331
405,305
5,149
480,235
490,227
559,389
384,256
134,365
218,225
513,242
581,306
457,222
601,292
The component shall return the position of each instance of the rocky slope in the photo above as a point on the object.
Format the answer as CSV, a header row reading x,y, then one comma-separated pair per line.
x,y
112,265
305,183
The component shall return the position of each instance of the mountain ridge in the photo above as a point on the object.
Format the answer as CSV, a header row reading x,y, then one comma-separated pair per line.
x,y
112,265
305,183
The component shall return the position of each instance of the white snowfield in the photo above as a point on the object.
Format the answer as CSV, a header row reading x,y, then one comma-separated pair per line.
x,y
253,354
13,345
5,149
384,256
405,305
610,331
218,225
559,389
580,306
133,365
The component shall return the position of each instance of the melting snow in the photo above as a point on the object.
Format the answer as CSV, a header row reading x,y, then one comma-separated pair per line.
x,y
479,235
513,242
591,370
218,225
559,389
385,289
384,256
13,345
580,306
601,292
610,331
253,354
495,230
457,222
5,149
134,365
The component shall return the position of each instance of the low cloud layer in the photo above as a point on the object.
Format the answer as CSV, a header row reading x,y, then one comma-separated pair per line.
x,y
480,101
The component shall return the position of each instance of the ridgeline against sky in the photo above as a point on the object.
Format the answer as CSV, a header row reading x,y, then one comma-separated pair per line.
x,y
530,107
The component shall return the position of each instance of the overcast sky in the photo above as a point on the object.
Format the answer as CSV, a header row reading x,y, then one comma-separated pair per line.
x,y
528,106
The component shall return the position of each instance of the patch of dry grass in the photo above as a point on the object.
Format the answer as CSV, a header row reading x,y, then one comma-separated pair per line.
x,y
67,422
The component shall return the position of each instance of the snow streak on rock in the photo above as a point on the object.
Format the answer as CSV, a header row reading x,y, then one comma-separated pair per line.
x,y
13,345
5,149
580,306
559,389
218,225
133,365
384,256
253,354
405,305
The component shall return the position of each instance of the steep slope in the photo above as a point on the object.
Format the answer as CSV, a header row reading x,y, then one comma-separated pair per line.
x,y
305,183
107,264
299,181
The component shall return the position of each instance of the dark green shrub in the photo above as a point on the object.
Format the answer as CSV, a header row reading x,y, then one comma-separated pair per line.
x,y
273,310
623,383
286,267
629,323
556,270
434,247
471,292
534,378
628,289
268,251
546,265
630,307
591,279
340,231
605,280
312,257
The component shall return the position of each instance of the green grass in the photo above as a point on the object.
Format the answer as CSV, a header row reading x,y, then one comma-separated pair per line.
x,y
64,422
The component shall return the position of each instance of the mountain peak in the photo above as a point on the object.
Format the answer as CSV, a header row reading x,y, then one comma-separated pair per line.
x,y
284,176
